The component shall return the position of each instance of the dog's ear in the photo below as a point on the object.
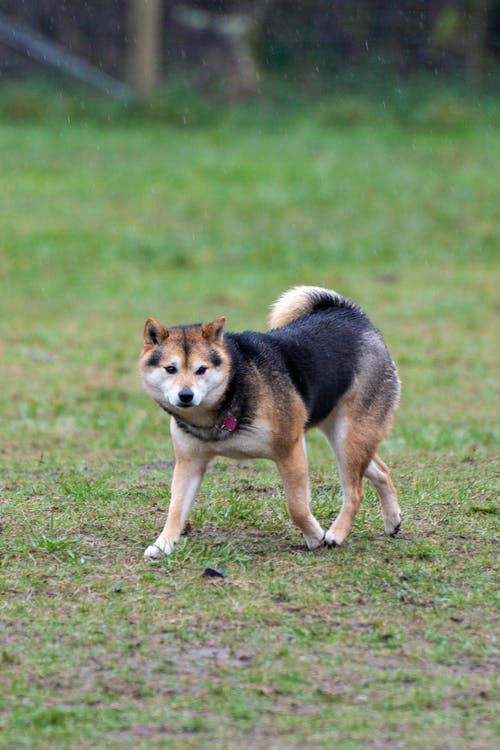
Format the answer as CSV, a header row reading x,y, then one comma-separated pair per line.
x,y
212,332
154,332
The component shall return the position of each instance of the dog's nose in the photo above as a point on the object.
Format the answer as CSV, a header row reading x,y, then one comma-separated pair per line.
x,y
186,396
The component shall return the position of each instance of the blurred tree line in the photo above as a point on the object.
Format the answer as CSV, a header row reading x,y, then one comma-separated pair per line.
x,y
233,42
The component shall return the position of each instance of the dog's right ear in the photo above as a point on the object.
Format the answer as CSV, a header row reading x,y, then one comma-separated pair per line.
x,y
154,333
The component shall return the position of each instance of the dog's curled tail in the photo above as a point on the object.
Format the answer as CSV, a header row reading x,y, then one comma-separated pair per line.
x,y
302,300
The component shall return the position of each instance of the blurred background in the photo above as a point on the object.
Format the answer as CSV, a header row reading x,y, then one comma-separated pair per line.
x,y
234,49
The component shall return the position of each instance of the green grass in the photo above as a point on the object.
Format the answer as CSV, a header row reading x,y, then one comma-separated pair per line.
x,y
381,643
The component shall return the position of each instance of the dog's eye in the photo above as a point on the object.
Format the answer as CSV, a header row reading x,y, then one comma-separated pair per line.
x,y
201,370
171,369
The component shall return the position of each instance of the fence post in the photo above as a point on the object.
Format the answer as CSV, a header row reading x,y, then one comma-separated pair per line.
x,y
144,33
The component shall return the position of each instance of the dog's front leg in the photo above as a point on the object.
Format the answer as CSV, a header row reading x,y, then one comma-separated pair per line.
x,y
293,470
188,473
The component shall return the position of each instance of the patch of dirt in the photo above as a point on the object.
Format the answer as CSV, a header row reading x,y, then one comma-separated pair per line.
x,y
219,655
157,466
141,732
165,669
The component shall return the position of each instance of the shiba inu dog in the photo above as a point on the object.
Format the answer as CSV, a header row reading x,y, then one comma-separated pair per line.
x,y
323,364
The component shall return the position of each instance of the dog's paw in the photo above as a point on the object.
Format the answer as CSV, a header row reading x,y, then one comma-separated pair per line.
x,y
330,543
313,542
334,538
392,524
395,530
159,549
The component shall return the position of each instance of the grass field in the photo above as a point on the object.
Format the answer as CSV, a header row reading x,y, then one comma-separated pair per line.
x,y
383,643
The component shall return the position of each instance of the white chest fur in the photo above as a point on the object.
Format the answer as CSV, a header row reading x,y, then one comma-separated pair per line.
x,y
250,442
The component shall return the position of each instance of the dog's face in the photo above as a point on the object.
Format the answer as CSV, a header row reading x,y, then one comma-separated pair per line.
x,y
185,367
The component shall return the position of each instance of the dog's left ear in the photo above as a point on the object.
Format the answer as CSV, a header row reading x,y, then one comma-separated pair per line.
x,y
212,332
154,332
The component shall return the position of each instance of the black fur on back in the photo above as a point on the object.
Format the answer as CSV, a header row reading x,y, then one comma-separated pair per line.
x,y
318,354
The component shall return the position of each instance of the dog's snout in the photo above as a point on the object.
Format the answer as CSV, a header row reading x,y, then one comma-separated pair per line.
x,y
186,396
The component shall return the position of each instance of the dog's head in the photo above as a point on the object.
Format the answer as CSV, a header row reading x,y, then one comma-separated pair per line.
x,y
185,367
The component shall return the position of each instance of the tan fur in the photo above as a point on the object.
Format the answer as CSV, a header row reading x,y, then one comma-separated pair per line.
x,y
378,474
293,468
212,332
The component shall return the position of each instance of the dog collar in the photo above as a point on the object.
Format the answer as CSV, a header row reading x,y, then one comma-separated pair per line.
x,y
227,425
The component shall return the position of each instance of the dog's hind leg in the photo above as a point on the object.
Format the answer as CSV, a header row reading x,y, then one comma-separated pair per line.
x,y
354,445
351,477
293,469
378,474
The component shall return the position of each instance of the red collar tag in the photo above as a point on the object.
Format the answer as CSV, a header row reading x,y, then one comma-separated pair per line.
x,y
229,424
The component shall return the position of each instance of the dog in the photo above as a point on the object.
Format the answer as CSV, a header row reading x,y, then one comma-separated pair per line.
x,y
254,395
